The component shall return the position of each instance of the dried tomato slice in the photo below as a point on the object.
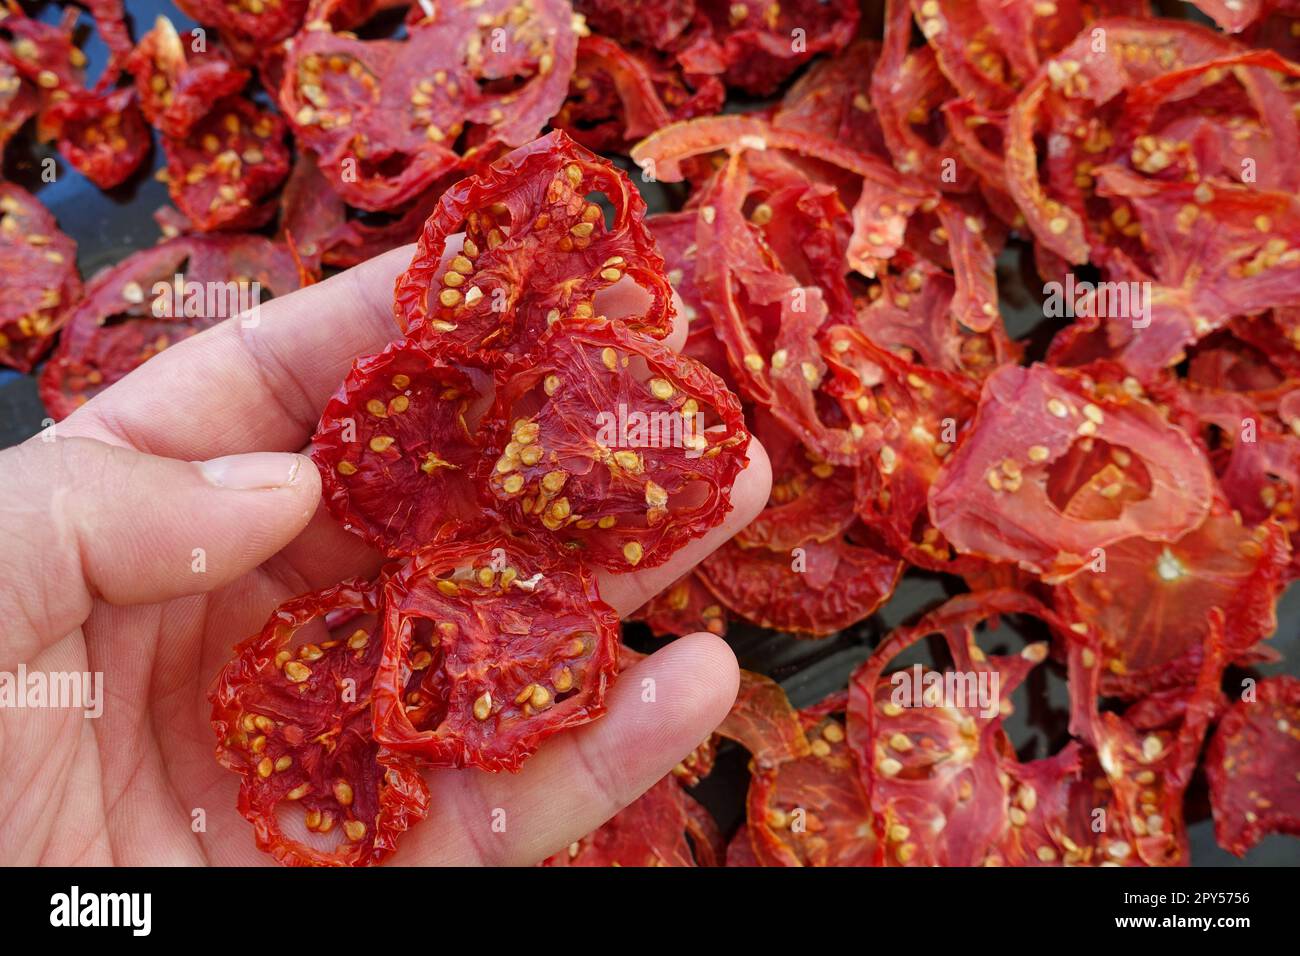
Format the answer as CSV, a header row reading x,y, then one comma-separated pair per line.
x,y
1028,482
756,37
135,309
489,649
44,53
686,607
1067,97
293,718
627,20
909,417
1151,604
1252,764
811,810
928,746
831,99
233,159
1147,753
383,115
536,249
654,830
18,99
763,722
38,278
1210,260
255,23
816,588
810,500
396,456
177,90
616,446
103,135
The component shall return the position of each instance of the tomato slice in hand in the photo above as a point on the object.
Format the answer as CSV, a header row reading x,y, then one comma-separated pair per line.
x,y
489,649
293,718
396,456
618,449
537,249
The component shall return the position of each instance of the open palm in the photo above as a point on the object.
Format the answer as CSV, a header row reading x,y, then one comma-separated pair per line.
x,y
99,526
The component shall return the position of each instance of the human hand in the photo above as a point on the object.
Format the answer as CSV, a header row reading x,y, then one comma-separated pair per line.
x,y
190,462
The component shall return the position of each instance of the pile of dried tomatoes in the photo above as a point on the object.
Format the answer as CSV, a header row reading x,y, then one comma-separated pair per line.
x,y
1127,482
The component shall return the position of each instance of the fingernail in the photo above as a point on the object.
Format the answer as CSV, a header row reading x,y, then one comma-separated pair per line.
x,y
261,469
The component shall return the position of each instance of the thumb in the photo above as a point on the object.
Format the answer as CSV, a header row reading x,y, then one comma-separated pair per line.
x,y
81,519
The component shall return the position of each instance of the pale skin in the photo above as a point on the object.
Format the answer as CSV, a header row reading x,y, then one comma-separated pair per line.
x,y
199,449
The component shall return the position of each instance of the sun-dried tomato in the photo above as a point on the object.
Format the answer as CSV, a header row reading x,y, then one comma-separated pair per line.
x,y
395,453
103,135
686,607
811,810
909,417
1151,601
38,278
832,99
763,722
489,649
817,587
1252,766
292,715
1035,479
615,447
44,53
383,116
907,89
810,500
135,309
176,88
1069,103
740,849
252,23
665,826
654,25
18,98
537,248
222,173
928,742
759,41
1146,754
617,96
1209,261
